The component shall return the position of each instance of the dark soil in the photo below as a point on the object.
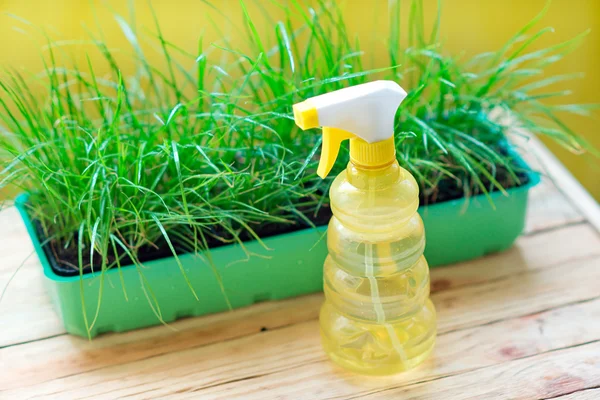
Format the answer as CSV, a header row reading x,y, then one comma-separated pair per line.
x,y
64,261
449,189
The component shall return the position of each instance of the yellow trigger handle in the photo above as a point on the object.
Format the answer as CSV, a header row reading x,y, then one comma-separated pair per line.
x,y
306,117
332,140
367,155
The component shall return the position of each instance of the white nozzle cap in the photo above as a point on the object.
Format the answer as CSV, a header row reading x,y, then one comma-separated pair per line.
x,y
366,110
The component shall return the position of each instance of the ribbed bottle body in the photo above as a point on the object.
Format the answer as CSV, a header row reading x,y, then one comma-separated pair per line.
x,y
377,317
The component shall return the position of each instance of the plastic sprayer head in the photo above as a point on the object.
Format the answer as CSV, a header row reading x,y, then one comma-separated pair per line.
x,y
363,113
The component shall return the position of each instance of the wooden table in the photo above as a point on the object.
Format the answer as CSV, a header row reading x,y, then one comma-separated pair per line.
x,y
524,324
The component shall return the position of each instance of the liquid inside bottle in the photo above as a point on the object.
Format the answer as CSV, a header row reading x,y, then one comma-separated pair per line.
x,y
377,317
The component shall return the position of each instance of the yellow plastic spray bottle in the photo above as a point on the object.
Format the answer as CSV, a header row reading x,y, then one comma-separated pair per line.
x,y
377,317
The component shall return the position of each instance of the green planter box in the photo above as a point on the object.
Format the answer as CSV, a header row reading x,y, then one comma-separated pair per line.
x,y
464,229
455,230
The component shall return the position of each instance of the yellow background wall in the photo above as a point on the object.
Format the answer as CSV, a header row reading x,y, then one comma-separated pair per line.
x,y
469,26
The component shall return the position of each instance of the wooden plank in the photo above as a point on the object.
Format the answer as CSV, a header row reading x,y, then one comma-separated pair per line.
x,y
76,355
548,208
589,394
518,295
530,253
566,183
253,367
544,376
36,362
25,310
276,358
456,353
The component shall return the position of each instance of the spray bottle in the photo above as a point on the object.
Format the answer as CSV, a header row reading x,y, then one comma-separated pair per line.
x,y
377,317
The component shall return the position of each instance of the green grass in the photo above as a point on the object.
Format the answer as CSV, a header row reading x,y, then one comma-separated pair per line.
x,y
195,153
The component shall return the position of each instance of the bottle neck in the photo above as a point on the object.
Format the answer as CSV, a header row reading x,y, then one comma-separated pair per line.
x,y
373,166
373,178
